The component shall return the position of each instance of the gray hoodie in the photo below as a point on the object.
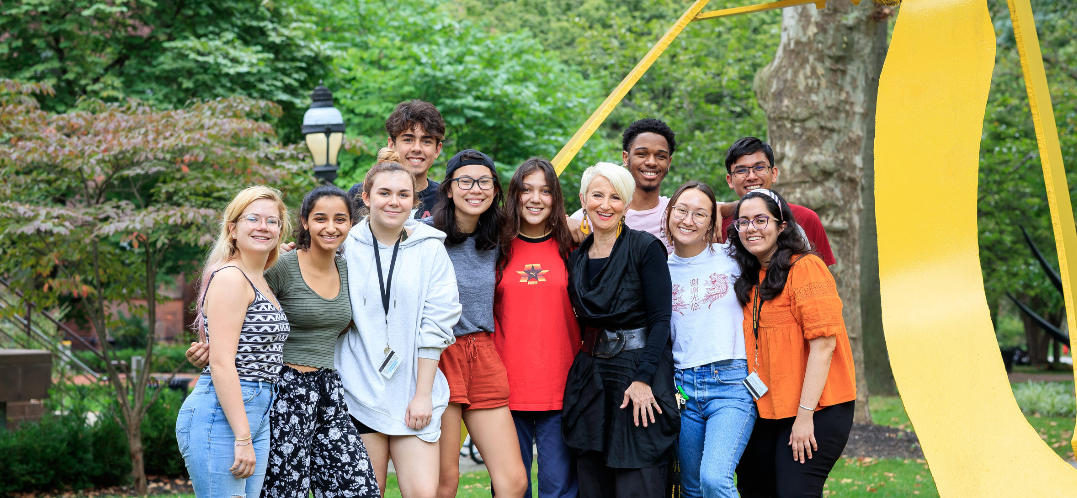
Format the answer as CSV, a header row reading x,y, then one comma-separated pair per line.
x,y
424,305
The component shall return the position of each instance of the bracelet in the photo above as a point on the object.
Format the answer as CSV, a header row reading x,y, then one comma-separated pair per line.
x,y
806,408
248,438
248,443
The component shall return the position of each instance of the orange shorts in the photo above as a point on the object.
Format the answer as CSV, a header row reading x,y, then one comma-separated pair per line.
x,y
477,378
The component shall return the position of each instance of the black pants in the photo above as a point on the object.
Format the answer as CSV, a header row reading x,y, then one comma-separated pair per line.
x,y
599,481
767,468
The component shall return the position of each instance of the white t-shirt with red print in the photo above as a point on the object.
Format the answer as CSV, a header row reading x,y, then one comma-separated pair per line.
x,y
707,318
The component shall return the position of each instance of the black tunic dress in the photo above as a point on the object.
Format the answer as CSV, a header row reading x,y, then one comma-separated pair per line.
x,y
631,290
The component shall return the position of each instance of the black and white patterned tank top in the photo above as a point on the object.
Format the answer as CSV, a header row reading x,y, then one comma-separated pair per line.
x,y
259,356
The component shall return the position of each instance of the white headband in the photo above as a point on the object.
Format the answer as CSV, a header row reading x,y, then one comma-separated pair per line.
x,y
771,194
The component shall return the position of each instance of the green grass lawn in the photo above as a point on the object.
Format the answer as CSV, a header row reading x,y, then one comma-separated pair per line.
x,y
854,477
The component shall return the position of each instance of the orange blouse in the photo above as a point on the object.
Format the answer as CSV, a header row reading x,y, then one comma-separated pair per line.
x,y
807,308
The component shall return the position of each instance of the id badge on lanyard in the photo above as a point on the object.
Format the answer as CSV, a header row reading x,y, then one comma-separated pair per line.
x,y
391,361
755,385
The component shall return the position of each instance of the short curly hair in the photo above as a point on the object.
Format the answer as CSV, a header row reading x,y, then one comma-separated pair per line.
x,y
648,125
415,112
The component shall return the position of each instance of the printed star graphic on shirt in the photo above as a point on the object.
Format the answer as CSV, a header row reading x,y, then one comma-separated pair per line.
x,y
532,274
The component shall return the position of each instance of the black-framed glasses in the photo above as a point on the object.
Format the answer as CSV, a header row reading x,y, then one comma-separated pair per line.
x,y
254,221
760,223
758,169
468,183
698,217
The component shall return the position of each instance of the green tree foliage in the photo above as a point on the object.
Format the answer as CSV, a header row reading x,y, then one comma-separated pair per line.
x,y
501,93
164,52
701,86
97,199
1012,193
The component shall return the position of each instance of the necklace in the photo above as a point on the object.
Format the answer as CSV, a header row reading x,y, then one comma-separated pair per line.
x,y
548,232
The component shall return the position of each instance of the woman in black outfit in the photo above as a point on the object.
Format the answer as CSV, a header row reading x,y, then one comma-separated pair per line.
x,y
620,411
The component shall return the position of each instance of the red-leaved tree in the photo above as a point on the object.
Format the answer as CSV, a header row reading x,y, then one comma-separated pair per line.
x,y
94,201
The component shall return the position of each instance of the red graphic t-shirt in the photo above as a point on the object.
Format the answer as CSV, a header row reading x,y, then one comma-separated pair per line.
x,y
535,329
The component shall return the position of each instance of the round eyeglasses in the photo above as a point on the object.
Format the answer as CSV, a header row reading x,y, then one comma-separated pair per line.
x,y
254,221
760,222
698,217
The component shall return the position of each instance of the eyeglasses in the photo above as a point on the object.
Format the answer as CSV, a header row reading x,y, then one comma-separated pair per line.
x,y
742,172
760,223
254,221
467,182
698,217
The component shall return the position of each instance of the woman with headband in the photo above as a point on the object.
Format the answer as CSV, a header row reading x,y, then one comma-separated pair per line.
x,y
799,360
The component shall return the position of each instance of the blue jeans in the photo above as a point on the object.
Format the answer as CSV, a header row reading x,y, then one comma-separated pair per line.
x,y
715,427
207,442
557,467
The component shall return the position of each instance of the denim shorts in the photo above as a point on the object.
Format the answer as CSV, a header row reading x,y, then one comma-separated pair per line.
x,y
207,442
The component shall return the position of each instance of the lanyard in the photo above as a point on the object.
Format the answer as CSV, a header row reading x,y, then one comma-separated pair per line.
x,y
757,308
383,287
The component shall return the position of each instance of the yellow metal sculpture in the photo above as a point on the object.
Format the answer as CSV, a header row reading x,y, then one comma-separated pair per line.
x,y
932,98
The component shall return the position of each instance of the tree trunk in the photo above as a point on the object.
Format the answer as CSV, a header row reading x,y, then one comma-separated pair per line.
x,y
816,94
880,377
1035,338
133,426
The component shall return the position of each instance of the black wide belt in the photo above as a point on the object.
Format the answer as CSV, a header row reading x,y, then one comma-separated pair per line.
x,y
604,343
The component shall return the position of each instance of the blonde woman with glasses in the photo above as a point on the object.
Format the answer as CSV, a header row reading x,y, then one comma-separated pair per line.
x,y
223,426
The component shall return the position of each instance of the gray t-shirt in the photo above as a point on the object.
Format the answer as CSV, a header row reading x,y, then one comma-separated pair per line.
x,y
476,275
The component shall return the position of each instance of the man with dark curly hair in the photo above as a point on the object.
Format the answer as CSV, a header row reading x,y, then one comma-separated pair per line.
x,y
647,152
416,131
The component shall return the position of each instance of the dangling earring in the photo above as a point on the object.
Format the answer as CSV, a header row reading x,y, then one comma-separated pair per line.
x,y
619,226
585,227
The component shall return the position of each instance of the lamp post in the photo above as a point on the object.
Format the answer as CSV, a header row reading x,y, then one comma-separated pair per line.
x,y
324,129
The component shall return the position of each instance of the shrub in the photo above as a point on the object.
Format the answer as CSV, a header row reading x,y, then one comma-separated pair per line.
x,y
1049,399
159,436
165,358
63,452
66,451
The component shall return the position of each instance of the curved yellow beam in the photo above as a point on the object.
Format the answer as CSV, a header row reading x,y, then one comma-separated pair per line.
x,y
763,7
932,97
1054,173
565,155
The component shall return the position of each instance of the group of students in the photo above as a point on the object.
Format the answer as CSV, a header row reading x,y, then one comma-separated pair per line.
x,y
406,306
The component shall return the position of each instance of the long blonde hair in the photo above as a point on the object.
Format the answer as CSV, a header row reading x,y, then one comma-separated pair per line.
x,y
225,248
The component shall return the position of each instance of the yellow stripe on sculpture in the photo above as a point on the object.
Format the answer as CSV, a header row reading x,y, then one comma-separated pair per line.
x,y
932,97
1054,173
565,155
715,14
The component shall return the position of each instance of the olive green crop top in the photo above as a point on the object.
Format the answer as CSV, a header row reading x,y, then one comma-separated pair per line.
x,y
316,322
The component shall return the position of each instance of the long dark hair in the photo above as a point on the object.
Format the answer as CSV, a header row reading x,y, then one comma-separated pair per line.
x,y
510,229
707,191
789,244
489,227
302,234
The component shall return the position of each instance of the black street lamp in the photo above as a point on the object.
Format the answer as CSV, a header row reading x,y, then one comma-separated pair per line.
x,y
324,128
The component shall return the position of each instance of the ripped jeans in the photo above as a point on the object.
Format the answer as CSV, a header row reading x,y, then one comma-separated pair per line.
x,y
207,442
